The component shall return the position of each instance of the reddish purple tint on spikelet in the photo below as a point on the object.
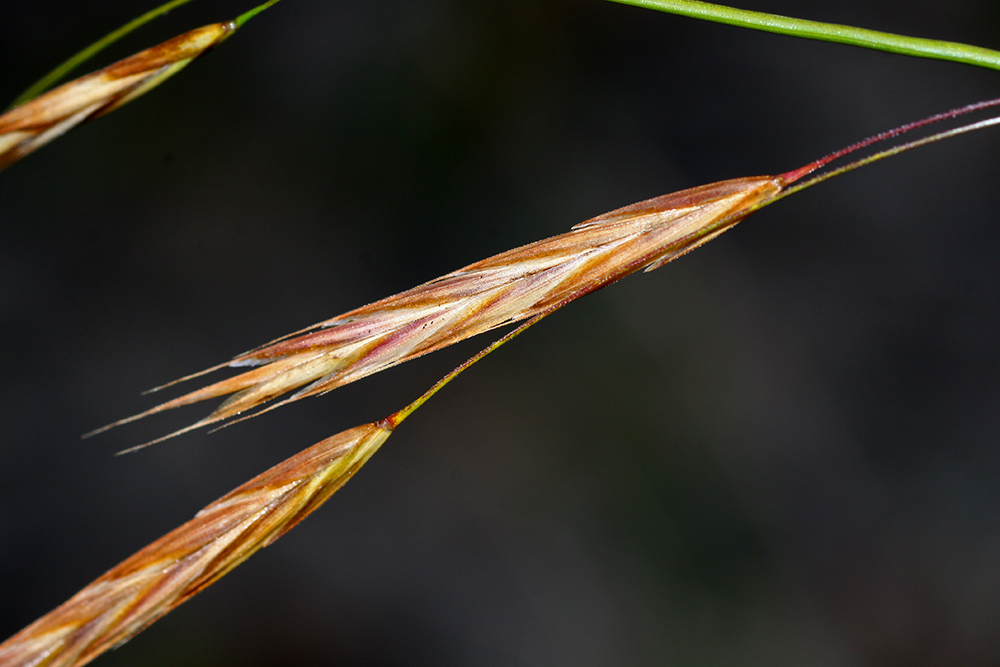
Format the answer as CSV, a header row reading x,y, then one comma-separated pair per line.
x,y
505,288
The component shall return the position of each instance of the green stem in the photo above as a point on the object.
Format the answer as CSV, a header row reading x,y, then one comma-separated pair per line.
x,y
830,32
83,56
246,16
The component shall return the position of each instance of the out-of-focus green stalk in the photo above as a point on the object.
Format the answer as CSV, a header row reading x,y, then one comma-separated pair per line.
x,y
246,16
86,54
829,32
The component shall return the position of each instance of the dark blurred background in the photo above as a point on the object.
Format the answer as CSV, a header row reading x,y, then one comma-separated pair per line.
x,y
780,450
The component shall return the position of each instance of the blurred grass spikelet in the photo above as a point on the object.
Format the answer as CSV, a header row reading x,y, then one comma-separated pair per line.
x,y
503,289
30,126
164,574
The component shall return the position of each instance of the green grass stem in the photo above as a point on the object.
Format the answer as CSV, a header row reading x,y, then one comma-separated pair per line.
x,y
246,16
829,32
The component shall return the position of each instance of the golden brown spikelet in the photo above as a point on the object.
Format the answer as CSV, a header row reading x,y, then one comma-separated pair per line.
x,y
503,289
161,576
30,126
144,587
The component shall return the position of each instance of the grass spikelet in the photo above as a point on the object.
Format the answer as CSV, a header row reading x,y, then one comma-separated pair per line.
x,y
30,126
506,288
512,286
153,581
161,576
